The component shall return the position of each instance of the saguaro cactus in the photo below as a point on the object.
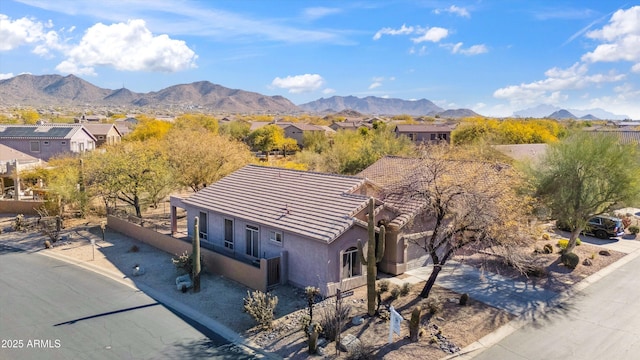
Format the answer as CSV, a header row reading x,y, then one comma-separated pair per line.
x,y
374,255
195,256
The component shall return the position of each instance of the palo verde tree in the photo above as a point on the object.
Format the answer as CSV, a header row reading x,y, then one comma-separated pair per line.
x,y
198,158
465,204
267,138
586,175
135,172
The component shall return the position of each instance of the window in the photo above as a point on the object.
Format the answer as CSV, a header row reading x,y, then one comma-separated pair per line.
x,y
45,143
35,146
433,136
228,234
253,242
275,236
63,143
350,263
203,225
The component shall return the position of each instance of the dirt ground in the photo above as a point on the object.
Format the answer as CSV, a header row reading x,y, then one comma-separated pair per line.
x,y
451,328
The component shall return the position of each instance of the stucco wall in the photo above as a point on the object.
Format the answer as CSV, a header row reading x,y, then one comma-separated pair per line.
x,y
251,276
20,207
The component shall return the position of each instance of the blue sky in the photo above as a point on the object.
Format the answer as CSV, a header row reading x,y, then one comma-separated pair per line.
x,y
492,56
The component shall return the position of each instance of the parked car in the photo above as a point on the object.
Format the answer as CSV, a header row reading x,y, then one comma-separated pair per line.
x,y
601,226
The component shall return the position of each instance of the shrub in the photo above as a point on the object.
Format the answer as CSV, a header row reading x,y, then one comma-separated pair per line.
x,y
563,243
395,292
19,223
361,351
330,318
383,286
570,260
434,305
634,229
547,249
184,263
405,289
546,236
261,307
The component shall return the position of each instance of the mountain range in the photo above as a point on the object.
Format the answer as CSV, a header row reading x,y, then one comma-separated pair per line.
x,y
70,90
42,90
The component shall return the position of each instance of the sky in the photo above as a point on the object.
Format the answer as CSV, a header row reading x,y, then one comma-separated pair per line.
x,y
492,56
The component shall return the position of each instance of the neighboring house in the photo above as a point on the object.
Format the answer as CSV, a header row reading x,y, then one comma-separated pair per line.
x,y
46,141
90,119
125,126
104,133
350,125
311,221
296,131
425,134
626,136
12,162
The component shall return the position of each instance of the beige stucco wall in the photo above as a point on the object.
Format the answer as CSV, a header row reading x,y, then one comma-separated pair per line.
x,y
251,276
20,207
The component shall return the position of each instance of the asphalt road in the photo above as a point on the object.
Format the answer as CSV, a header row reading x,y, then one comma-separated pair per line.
x,y
53,310
601,322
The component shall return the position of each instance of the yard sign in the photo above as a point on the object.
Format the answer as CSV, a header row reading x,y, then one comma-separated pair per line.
x,y
394,324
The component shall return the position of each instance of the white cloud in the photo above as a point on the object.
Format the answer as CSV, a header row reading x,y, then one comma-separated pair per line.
x,y
404,30
299,83
15,33
328,91
460,11
433,34
319,12
127,46
473,50
374,85
620,37
557,80
6,76
636,68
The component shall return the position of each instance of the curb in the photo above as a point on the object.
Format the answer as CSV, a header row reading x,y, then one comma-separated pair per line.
x,y
196,316
477,347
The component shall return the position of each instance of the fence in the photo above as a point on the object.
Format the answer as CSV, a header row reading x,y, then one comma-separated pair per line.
x,y
215,263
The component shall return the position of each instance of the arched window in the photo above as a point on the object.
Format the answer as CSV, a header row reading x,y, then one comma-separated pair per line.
x,y
351,263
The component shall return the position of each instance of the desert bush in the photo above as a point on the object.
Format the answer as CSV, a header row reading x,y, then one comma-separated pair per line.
x,y
634,229
405,289
563,243
548,249
570,260
330,318
362,351
261,307
434,305
546,236
184,263
19,223
395,292
383,286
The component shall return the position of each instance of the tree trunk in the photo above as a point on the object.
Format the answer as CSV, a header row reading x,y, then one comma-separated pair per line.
x,y
573,238
432,280
136,205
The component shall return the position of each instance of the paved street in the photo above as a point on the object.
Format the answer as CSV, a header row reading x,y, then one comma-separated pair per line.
x,y
601,322
53,310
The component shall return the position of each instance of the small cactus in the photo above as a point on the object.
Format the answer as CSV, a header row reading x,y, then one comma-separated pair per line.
x,y
414,324
548,249
464,298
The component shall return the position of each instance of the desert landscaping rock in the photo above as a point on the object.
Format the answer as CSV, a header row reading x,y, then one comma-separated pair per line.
x,y
349,343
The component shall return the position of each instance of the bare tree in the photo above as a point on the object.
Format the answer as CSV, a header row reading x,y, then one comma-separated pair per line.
x,y
467,204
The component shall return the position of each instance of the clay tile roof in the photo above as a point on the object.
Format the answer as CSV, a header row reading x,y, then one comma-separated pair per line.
x,y
315,205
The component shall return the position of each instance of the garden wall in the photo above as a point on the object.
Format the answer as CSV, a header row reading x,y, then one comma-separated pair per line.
x,y
215,263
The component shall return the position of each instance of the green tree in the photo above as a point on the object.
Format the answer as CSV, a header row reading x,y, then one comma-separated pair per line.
x,y
197,122
236,129
135,172
267,138
586,175
198,159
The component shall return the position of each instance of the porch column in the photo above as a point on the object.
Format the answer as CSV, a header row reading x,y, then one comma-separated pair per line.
x,y
174,220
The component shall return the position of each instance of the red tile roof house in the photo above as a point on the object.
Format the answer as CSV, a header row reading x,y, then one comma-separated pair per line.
x,y
311,221
45,141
